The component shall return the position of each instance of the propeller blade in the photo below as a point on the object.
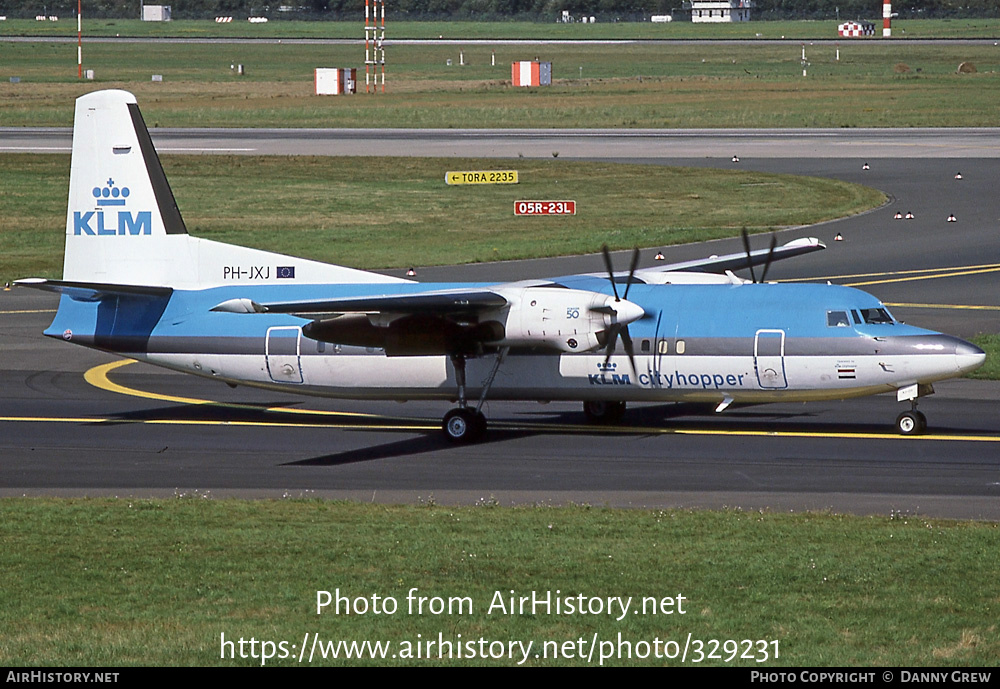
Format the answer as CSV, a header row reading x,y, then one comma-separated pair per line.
x,y
612,339
629,349
631,271
617,329
770,255
611,270
746,247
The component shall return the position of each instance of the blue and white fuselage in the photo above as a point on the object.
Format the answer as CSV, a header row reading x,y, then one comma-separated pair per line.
x,y
747,342
135,283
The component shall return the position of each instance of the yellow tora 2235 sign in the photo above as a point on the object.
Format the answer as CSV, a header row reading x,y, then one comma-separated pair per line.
x,y
482,177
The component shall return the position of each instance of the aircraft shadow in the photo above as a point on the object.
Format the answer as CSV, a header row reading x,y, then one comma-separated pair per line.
x,y
644,421
409,447
246,412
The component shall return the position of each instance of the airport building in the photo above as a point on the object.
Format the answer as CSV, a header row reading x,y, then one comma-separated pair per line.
x,y
719,11
156,13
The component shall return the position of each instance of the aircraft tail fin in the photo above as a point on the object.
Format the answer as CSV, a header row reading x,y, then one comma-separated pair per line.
x,y
123,225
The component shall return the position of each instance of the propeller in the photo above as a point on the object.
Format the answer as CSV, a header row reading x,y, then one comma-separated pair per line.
x,y
767,263
617,329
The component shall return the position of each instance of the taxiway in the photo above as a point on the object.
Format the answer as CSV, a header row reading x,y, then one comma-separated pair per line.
x,y
138,430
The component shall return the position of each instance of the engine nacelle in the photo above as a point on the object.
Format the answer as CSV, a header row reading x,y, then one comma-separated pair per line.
x,y
565,319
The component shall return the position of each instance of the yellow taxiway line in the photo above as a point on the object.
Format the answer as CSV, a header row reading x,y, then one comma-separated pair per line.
x,y
914,275
98,377
938,272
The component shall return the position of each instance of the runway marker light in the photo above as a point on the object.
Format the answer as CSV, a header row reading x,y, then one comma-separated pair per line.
x,y
952,218
958,175
659,256
411,273
865,166
838,238
736,159
898,216
909,216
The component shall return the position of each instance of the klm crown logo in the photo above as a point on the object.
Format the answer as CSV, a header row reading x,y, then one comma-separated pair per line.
x,y
127,222
111,195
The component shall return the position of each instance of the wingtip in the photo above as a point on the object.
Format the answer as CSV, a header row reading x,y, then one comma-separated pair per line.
x,y
805,241
30,282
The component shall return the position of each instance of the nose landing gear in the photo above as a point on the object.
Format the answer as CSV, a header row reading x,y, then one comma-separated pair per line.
x,y
911,422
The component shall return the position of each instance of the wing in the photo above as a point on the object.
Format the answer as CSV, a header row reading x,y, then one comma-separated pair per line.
x,y
455,303
711,270
721,264
459,321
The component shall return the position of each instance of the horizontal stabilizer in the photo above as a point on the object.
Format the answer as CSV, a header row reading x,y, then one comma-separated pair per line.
x,y
92,291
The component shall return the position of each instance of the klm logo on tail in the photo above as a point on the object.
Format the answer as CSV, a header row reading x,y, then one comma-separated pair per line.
x,y
127,223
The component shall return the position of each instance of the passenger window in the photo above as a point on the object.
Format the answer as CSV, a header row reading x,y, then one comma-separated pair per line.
x,y
645,346
837,319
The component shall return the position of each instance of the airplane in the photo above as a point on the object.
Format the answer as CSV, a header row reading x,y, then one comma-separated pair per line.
x,y
136,284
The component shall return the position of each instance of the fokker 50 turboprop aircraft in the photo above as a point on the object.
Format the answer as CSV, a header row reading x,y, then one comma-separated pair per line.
x,y
135,283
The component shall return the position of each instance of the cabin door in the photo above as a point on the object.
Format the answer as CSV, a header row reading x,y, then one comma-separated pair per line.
x,y
769,359
282,352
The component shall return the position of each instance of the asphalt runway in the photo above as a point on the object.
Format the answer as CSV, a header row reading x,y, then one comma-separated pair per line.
x,y
138,430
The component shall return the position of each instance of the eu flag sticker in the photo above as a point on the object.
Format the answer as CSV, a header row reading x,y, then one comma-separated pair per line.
x,y
285,271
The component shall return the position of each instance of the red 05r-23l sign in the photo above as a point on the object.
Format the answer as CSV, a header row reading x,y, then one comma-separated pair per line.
x,y
545,208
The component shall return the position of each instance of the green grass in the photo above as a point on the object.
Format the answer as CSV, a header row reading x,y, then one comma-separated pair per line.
x,y
380,213
635,85
991,369
396,28
157,582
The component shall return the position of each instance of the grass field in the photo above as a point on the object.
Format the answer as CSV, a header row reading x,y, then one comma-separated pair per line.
x,y
634,85
124,582
396,29
322,207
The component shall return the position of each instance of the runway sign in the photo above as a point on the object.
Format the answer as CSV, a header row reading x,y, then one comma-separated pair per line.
x,y
545,208
481,177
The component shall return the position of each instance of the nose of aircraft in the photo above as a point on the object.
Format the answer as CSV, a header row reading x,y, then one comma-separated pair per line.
x,y
968,357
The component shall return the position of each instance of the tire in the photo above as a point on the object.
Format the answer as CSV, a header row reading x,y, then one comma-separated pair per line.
x,y
605,413
463,426
911,423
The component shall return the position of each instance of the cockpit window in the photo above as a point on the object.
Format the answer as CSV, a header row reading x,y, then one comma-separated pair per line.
x,y
876,316
837,319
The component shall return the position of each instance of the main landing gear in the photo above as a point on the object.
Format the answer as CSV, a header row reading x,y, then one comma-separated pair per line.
x,y
464,424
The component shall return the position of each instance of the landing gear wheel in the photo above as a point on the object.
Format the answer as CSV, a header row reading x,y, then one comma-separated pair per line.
x,y
911,423
604,413
463,425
